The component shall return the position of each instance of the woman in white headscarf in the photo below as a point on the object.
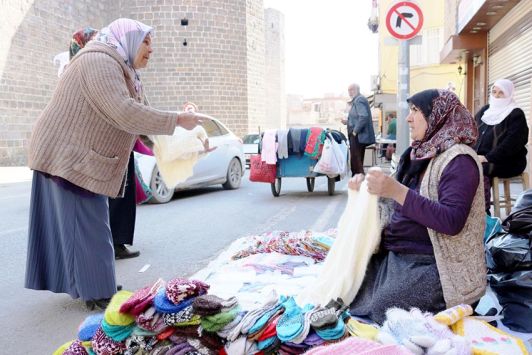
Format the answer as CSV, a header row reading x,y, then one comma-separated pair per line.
x,y
503,135
79,151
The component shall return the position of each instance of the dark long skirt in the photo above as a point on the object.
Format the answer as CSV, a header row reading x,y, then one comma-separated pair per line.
x,y
123,211
398,280
70,247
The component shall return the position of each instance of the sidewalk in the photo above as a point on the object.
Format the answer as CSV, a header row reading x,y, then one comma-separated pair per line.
x,y
13,174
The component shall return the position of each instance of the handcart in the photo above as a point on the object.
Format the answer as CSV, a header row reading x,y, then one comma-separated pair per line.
x,y
301,165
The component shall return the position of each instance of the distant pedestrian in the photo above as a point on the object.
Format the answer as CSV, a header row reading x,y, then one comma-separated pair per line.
x,y
79,151
359,128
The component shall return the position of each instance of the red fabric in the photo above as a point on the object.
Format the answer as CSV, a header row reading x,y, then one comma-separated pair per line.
x,y
312,140
260,171
271,329
141,148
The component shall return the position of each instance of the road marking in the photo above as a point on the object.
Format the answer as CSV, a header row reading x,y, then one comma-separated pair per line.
x,y
144,268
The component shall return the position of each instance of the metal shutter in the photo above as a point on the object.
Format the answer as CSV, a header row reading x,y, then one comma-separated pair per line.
x,y
510,52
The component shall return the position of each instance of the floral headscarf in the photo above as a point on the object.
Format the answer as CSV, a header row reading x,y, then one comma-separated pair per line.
x,y
80,39
449,123
125,36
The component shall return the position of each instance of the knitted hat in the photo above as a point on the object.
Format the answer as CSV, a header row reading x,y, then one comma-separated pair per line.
x,y
89,326
184,315
102,344
179,289
151,320
117,332
218,321
165,305
76,348
112,312
207,305
141,299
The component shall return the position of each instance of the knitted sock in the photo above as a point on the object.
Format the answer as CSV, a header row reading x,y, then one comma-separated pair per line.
x,y
307,312
336,332
292,321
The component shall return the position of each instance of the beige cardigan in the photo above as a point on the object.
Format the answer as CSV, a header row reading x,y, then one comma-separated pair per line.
x,y
87,131
460,258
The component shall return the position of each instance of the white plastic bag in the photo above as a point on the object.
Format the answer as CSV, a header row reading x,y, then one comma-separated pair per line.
x,y
332,161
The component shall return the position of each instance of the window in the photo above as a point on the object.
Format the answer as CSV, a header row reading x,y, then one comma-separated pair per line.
x,y
211,128
428,52
222,129
251,139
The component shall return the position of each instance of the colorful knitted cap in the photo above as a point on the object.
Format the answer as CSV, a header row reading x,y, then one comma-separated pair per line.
x,y
89,326
102,344
112,312
142,299
179,289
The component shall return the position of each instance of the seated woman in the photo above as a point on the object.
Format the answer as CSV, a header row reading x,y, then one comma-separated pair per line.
x,y
431,254
503,135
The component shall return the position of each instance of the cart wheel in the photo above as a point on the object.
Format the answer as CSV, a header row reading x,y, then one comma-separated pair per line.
x,y
331,183
276,187
310,184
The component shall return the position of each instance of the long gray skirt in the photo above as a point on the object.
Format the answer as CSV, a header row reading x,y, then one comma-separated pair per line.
x,y
70,248
398,280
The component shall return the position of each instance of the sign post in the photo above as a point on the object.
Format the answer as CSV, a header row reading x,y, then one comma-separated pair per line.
x,y
404,20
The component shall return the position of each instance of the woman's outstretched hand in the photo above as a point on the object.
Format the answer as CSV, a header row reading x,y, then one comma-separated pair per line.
x,y
189,120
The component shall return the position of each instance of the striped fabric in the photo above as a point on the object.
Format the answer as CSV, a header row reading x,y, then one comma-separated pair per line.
x,y
70,246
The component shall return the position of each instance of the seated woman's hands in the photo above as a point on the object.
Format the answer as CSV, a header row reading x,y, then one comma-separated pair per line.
x,y
380,184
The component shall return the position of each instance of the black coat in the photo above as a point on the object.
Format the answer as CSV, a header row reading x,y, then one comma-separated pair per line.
x,y
503,145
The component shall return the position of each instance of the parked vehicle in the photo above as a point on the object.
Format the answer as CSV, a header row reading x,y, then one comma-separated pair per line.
x,y
224,165
251,145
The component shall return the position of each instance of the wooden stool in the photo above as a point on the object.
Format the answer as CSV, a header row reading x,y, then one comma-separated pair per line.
x,y
507,201
373,149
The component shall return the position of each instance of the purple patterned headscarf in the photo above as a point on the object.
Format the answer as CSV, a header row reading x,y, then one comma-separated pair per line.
x,y
449,123
125,36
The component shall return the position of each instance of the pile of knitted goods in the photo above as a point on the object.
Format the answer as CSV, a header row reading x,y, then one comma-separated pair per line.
x,y
180,317
304,243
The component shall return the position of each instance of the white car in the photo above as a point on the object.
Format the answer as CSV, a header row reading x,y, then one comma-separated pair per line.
x,y
251,145
224,165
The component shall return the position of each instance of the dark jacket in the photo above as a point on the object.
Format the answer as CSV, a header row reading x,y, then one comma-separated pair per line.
x,y
503,145
359,120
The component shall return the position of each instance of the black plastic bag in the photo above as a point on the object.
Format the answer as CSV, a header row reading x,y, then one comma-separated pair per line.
x,y
514,292
507,252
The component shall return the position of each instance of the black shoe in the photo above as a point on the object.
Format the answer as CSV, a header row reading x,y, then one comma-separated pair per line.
x,y
101,303
119,287
121,252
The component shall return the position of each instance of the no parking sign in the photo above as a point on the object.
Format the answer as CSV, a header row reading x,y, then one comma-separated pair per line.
x,y
404,20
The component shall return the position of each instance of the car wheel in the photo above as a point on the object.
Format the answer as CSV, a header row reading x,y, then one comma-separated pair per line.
x,y
160,193
234,175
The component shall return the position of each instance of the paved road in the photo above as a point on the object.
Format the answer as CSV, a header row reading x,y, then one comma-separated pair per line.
x,y
175,239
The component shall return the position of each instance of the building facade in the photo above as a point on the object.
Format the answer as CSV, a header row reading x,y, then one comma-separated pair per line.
x,y
218,60
491,40
426,71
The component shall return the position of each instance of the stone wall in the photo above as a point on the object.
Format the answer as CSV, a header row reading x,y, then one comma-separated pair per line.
x,y
33,32
276,112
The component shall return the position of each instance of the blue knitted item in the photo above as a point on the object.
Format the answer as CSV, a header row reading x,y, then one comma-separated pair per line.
x,y
261,322
263,344
164,305
89,326
117,332
336,332
292,322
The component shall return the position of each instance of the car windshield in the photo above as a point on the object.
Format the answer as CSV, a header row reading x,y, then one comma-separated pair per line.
x,y
251,139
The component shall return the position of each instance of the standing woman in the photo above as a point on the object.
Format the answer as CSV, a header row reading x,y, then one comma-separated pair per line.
x,y
503,135
79,151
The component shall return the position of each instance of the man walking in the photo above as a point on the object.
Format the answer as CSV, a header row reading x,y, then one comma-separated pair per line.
x,y
359,128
